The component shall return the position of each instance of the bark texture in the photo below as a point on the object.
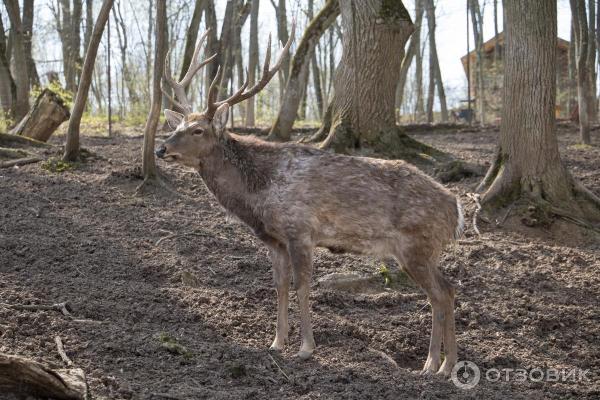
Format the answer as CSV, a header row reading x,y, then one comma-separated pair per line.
x,y
252,62
148,160
21,75
72,144
528,167
294,90
24,377
46,115
435,74
414,47
375,32
583,55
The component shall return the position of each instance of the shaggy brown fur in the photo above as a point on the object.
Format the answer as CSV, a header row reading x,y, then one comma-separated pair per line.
x,y
296,197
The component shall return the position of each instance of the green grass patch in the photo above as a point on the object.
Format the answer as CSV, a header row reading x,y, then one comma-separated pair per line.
x,y
171,345
57,165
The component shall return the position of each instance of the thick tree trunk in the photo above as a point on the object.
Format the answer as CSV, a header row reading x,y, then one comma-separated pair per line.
x,y
375,33
148,160
46,115
414,47
252,62
528,169
282,128
72,144
21,106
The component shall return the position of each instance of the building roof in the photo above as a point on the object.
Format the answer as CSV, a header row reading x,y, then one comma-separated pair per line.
x,y
490,46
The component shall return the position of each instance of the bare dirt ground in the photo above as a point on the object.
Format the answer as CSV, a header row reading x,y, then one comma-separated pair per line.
x,y
192,316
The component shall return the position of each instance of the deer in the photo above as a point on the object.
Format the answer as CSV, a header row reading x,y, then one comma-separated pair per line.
x,y
296,197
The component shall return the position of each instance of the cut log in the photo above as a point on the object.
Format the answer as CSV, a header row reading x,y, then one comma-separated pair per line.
x,y
8,140
23,377
46,115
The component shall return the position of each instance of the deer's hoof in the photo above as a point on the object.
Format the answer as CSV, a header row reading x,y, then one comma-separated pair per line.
x,y
304,354
431,366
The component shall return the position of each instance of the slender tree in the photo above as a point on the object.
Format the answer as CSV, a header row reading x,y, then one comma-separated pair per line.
x,y
477,20
528,170
435,74
294,90
21,71
148,161
414,47
72,143
252,61
584,69
8,88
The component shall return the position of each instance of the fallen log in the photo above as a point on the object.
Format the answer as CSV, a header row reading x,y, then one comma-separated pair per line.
x,y
24,377
46,115
19,162
8,140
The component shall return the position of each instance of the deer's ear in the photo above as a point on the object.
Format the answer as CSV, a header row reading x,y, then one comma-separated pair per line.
x,y
219,121
173,118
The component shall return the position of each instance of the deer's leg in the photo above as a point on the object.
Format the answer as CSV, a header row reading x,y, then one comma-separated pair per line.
x,y
281,276
450,350
422,269
301,259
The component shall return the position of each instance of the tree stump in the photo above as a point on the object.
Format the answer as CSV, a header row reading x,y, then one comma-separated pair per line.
x,y
21,376
46,115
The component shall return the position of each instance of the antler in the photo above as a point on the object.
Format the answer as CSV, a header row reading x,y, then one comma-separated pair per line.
x,y
179,88
241,94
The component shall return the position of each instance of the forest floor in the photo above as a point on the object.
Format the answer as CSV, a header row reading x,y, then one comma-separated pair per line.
x,y
179,301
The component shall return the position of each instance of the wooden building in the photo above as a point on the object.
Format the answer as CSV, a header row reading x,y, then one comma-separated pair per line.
x,y
493,75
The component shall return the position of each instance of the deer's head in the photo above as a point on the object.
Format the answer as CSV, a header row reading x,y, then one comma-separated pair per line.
x,y
196,135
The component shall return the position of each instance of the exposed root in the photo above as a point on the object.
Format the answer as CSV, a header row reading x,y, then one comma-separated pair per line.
x,y
475,197
152,184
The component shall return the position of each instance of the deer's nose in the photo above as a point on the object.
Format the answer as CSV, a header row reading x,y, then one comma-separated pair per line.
x,y
160,153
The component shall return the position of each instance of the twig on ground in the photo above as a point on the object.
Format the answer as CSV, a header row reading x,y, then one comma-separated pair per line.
x,y
279,368
499,223
62,307
61,351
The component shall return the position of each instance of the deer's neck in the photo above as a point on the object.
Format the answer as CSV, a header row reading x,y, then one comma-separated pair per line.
x,y
232,176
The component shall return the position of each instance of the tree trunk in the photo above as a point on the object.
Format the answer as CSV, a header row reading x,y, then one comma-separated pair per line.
x,y
528,169
282,128
89,23
414,47
579,20
25,378
252,61
8,88
477,20
419,104
375,33
435,75
148,160
46,115
282,33
591,61
21,106
72,143
34,79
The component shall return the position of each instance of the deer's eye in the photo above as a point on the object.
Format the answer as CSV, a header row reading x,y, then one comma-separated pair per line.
x,y
197,132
